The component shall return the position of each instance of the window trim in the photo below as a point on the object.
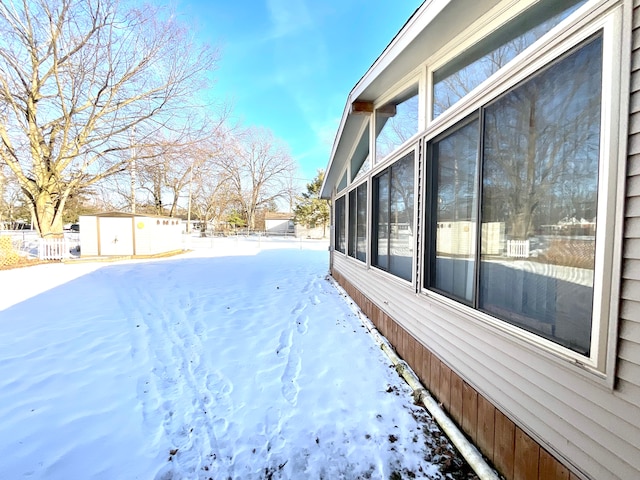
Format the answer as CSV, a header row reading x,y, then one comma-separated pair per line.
x,y
616,34
354,191
415,81
407,149
336,229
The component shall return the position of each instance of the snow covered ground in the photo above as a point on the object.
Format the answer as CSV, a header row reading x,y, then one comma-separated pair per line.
x,y
236,360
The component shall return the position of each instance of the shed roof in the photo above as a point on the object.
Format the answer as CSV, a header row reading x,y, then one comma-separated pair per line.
x,y
126,215
278,216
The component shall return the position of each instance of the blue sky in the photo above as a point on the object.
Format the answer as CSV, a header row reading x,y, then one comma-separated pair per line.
x,y
289,65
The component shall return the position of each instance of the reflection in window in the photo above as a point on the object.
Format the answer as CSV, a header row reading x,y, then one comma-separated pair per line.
x,y
360,160
455,158
396,122
393,195
358,222
343,182
339,226
540,183
463,74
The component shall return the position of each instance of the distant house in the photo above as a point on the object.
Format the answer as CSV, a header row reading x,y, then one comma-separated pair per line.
x,y
461,158
276,223
126,234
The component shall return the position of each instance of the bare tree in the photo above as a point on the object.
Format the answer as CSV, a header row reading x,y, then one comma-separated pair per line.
x,y
76,77
259,169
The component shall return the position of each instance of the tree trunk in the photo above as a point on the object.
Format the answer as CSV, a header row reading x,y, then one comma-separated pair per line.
x,y
47,215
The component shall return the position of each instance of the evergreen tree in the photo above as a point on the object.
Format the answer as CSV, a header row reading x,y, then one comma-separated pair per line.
x,y
310,210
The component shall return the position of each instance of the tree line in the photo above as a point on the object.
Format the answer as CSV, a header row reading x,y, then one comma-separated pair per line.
x,y
103,107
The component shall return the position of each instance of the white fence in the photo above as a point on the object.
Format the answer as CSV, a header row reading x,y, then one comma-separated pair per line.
x,y
518,248
53,249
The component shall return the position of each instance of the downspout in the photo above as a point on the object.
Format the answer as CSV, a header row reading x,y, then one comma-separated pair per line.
x,y
421,395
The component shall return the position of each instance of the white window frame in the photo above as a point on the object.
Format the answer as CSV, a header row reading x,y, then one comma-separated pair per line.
x,y
415,80
612,19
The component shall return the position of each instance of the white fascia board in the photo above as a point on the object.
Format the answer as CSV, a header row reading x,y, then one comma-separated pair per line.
x,y
416,23
433,24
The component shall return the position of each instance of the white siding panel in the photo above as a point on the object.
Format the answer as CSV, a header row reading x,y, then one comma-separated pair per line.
x,y
629,391
632,248
634,123
631,270
632,228
629,350
630,310
633,165
633,186
628,367
630,330
634,143
631,290
629,372
633,207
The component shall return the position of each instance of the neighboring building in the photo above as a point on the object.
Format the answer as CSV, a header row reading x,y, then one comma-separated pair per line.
x,y
276,223
461,154
116,234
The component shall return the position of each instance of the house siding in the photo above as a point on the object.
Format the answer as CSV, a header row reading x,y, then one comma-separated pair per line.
x,y
629,344
533,415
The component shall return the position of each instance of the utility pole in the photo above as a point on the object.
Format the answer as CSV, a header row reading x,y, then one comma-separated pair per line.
x,y
132,169
189,201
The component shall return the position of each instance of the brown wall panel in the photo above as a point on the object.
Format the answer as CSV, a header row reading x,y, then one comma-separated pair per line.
x,y
426,369
455,405
504,444
435,376
445,386
469,411
527,453
486,427
550,469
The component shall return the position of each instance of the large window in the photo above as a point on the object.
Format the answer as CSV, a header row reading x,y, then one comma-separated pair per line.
x,y
339,225
455,162
458,77
393,201
358,222
396,122
515,196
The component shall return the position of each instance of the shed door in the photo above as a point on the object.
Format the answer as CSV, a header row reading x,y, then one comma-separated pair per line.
x,y
116,236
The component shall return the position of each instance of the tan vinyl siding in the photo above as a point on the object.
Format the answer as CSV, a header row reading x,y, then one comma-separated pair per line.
x,y
629,344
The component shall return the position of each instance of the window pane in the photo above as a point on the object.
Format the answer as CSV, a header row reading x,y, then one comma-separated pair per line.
x,y
456,160
401,218
352,223
361,249
358,222
540,182
340,239
395,124
360,161
460,76
343,182
380,256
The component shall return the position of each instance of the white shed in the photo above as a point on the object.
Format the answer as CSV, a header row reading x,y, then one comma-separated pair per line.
x,y
277,223
115,234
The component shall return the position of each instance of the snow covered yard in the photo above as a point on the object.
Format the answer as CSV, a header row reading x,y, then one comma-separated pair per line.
x,y
236,360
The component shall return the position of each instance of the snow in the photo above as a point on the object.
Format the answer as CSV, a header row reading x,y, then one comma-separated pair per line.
x,y
239,359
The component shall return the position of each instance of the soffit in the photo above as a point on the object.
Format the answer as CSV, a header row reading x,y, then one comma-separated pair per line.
x,y
431,27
